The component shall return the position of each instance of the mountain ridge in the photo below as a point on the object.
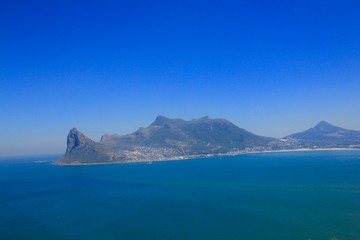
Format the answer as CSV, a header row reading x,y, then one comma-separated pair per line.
x,y
167,139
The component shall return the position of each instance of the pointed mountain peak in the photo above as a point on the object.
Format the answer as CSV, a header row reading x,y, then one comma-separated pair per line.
x,y
74,131
161,120
323,125
75,139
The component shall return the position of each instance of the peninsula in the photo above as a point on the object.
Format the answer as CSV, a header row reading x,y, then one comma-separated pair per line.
x,y
176,139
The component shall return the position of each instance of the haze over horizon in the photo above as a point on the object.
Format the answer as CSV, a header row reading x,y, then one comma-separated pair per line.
x,y
108,67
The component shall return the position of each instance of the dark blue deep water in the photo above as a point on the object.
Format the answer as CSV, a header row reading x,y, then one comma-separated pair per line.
x,y
303,195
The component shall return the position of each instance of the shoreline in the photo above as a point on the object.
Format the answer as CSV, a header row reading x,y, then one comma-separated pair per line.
x,y
205,157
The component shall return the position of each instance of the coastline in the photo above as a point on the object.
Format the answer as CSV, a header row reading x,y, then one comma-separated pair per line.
x,y
207,156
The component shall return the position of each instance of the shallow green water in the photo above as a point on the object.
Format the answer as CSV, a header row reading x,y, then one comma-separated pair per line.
x,y
260,196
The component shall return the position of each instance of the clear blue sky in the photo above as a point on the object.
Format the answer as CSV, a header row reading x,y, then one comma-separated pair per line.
x,y
271,67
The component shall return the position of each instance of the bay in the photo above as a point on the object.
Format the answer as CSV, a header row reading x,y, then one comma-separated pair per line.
x,y
292,195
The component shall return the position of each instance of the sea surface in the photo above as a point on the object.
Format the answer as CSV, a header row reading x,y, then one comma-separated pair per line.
x,y
293,195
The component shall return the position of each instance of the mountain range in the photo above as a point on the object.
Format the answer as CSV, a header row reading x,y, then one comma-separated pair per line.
x,y
170,139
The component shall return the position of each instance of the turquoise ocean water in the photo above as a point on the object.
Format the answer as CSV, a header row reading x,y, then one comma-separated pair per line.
x,y
297,196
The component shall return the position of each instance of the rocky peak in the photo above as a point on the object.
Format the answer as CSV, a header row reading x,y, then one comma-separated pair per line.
x,y
160,120
325,126
75,139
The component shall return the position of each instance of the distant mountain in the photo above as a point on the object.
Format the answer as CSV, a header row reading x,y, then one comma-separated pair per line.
x,y
165,138
326,135
197,136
